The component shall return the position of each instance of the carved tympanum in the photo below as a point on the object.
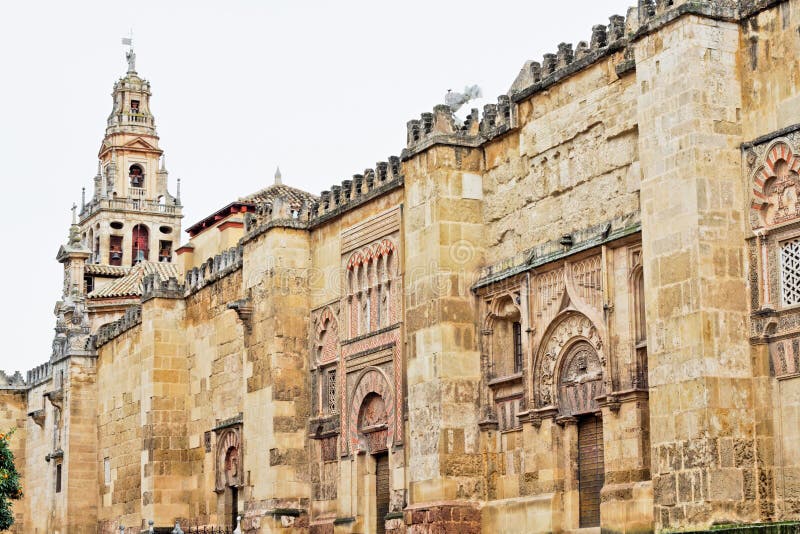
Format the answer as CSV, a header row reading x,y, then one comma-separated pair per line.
x,y
574,332
581,380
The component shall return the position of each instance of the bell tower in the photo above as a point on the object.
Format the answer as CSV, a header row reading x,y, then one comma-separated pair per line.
x,y
131,215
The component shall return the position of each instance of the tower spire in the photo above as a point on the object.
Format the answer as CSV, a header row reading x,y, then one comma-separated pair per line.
x,y
278,180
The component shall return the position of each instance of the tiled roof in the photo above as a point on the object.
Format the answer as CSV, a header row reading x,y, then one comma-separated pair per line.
x,y
270,193
106,270
130,285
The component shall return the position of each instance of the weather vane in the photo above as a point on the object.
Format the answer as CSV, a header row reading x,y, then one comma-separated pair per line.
x,y
130,55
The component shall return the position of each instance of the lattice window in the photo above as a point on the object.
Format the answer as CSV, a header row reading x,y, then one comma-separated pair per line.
x,y
330,388
790,272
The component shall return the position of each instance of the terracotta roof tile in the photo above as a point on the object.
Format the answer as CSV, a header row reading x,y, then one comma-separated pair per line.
x,y
106,270
268,194
130,285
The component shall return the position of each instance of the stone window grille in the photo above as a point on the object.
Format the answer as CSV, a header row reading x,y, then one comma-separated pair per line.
x,y
790,272
330,391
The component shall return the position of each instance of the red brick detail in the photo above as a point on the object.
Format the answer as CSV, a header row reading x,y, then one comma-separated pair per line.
x,y
444,518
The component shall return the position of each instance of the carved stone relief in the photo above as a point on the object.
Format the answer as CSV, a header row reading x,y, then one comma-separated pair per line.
x,y
568,342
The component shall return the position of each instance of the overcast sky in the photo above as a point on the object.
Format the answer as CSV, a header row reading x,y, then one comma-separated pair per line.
x,y
323,89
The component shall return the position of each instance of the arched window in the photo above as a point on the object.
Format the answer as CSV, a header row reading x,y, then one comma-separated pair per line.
x,y
140,247
136,174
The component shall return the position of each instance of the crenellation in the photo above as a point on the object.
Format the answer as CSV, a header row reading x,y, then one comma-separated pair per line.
x,y
369,179
647,9
348,192
14,381
39,374
549,65
581,50
381,171
616,28
357,188
599,37
564,56
130,319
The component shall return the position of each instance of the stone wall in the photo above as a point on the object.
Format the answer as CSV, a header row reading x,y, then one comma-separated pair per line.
x,y
571,163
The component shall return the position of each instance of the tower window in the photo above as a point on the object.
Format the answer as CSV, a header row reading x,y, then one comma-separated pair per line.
x,y
136,174
134,106
58,478
115,250
165,251
141,247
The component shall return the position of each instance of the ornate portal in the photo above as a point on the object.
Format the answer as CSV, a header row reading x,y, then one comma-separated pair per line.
x,y
581,380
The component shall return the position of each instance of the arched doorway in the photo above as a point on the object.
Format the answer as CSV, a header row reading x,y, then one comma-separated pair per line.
x,y
229,473
373,431
580,383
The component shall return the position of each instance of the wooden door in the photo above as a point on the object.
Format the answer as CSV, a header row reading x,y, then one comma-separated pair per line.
x,y
591,474
381,491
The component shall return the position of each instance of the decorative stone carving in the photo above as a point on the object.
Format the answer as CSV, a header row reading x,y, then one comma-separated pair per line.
x,y
366,415
775,184
580,381
229,458
559,345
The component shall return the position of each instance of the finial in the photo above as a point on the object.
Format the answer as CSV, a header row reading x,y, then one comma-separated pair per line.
x,y
278,180
178,192
177,529
150,524
238,529
98,167
74,207
121,529
83,199
163,162
130,55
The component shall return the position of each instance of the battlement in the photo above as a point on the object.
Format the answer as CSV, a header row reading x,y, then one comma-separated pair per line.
x,y
14,381
536,76
279,211
154,287
211,270
107,332
442,127
39,374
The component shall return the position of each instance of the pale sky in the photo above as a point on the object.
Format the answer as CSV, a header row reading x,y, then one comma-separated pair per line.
x,y
323,89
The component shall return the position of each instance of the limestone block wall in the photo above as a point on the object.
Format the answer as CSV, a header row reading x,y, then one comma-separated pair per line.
x,y
79,475
572,162
215,354
444,235
38,483
277,401
768,70
13,410
689,106
118,465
